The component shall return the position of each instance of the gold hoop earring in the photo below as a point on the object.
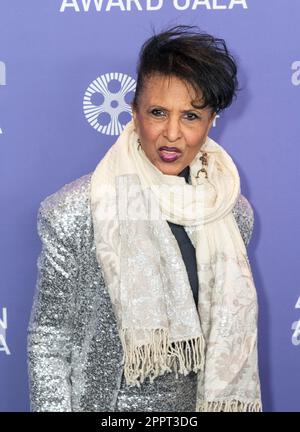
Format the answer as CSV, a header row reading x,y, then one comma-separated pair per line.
x,y
204,161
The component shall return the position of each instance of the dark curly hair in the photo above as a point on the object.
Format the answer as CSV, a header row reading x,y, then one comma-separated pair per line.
x,y
194,57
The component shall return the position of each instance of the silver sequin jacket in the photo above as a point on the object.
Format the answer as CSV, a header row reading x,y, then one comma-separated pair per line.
x,y
74,350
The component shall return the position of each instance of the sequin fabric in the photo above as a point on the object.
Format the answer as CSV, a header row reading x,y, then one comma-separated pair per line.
x,y
74,350
166,393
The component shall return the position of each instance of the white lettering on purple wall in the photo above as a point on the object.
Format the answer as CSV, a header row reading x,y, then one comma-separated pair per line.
x,y
296,73
3,328
148,5
2,79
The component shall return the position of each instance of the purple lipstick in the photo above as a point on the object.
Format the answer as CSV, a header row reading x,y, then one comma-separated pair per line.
x,y
169,154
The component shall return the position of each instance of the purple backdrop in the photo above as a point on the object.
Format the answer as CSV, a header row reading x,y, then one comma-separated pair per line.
x,y
51,51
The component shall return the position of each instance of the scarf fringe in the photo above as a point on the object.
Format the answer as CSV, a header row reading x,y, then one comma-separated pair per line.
x,y
160,356
229,406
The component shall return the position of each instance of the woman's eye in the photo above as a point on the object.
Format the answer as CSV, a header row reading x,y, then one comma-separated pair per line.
x,y
191,116
157,112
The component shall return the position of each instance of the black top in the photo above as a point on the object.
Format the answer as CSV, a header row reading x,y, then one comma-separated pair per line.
x,y
186,247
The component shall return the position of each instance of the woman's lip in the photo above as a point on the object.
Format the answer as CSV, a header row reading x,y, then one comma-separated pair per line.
x,y
169,156
170,149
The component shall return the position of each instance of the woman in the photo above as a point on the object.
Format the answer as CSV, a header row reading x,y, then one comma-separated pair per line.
x,y
145,298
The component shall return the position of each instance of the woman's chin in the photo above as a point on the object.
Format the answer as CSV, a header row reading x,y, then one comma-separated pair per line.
x,y
169,169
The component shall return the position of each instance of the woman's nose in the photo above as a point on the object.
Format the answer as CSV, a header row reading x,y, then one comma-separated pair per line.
x,y
172,129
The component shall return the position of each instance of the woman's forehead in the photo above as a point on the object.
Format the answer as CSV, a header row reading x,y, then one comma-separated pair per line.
x,y
169,87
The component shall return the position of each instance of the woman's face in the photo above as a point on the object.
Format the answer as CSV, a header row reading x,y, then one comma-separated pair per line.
x,y
170,129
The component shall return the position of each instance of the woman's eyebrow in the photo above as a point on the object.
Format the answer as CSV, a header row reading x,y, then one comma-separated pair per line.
x,y
182,111
192,109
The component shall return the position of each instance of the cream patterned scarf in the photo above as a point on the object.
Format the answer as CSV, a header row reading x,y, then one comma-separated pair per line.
x,y
160,327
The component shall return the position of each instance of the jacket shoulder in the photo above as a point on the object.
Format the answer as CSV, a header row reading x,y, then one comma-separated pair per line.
x,y
66,208
75,192
244,216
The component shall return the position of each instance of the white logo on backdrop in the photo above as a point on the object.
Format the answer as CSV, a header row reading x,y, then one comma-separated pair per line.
x,y
106,102
296,74
215,120
148,5
2,73
3,328
296,327
2,79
